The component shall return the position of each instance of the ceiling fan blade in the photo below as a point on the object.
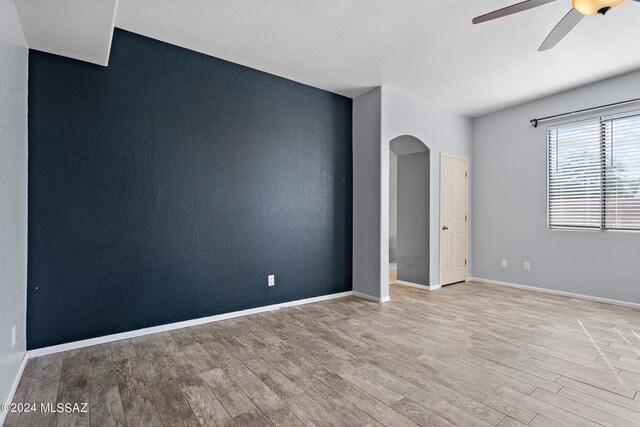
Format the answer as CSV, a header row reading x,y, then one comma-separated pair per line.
x,y
563,28
510,10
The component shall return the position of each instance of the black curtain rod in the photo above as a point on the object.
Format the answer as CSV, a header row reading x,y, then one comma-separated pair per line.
x,y
535,122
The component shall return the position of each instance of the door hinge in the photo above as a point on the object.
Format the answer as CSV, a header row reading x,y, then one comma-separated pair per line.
x,y
465,262
466,174
465,217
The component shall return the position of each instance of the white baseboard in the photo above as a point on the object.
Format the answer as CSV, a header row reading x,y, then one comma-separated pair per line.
x,y
14,387
416,285
371,298
171,326
555,292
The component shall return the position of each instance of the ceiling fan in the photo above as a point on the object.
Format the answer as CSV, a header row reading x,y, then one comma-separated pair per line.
x,y
571,19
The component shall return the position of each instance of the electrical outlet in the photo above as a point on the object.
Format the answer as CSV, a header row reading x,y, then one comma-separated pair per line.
x,y
504,263
13,336
527,266
271,280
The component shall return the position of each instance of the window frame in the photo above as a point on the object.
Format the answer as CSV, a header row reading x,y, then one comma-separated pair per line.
x,y
578,118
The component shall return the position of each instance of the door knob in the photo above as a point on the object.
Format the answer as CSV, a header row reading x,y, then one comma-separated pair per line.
x,y
444,227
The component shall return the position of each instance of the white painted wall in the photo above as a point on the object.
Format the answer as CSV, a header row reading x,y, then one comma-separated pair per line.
x,y
367,266
413,217
13,196
393,207
441,131
509,205
398,114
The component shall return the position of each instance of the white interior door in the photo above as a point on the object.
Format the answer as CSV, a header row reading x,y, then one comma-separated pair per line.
x,y
453,219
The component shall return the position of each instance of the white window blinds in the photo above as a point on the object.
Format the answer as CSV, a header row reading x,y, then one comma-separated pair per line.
x,y
594,174
575,181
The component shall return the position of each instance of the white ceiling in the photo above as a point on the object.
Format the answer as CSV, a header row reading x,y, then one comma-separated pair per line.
x,y
79,29
10,30
428,48
425,47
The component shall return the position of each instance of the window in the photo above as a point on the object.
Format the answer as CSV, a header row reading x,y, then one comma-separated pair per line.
x,y
594,174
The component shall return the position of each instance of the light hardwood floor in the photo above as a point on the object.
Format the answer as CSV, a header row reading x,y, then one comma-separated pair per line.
x,y
467,354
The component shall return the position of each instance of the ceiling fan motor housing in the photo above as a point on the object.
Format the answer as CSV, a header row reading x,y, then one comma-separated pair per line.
x,y
594,7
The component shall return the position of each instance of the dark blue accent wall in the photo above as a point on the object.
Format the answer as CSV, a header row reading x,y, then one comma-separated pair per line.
x,y
168,185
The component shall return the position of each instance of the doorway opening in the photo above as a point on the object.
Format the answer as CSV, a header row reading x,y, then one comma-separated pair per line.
x,y
409,204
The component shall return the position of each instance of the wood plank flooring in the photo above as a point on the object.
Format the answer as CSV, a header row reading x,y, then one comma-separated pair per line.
x,y
466,355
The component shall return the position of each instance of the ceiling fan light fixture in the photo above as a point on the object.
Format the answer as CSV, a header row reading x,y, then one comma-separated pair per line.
x,y
593,7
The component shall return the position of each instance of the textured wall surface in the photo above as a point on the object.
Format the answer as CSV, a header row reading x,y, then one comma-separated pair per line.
x,y
169,185
510,205
13,196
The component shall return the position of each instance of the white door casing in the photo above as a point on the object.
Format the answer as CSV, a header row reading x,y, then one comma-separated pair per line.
x,y
453,218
